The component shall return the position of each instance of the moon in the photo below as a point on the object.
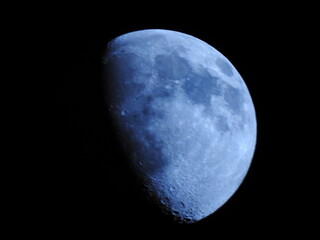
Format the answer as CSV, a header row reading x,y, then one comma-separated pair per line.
x,y
184,116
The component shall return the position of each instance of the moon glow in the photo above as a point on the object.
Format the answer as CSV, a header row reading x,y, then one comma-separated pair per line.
x,y
185,118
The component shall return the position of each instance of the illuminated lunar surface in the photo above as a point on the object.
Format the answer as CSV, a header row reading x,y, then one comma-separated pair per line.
x,y
185,119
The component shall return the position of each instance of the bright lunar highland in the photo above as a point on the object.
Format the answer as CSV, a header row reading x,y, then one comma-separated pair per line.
x,y
185,119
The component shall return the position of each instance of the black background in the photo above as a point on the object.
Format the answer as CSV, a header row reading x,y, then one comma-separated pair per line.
x,y
86,187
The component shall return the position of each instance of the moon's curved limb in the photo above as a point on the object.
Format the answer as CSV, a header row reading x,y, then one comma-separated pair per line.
x,y
185,116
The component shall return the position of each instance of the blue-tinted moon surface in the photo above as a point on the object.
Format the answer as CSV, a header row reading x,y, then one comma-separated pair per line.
x,y
185,117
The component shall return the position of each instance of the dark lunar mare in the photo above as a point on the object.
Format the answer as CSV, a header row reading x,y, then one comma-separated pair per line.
x,y
234,99
171,66
225,67
197,86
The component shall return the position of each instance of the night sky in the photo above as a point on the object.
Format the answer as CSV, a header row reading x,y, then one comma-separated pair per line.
x,y
79,195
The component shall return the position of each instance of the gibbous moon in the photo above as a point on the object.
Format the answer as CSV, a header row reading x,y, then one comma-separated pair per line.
x,y
185,119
